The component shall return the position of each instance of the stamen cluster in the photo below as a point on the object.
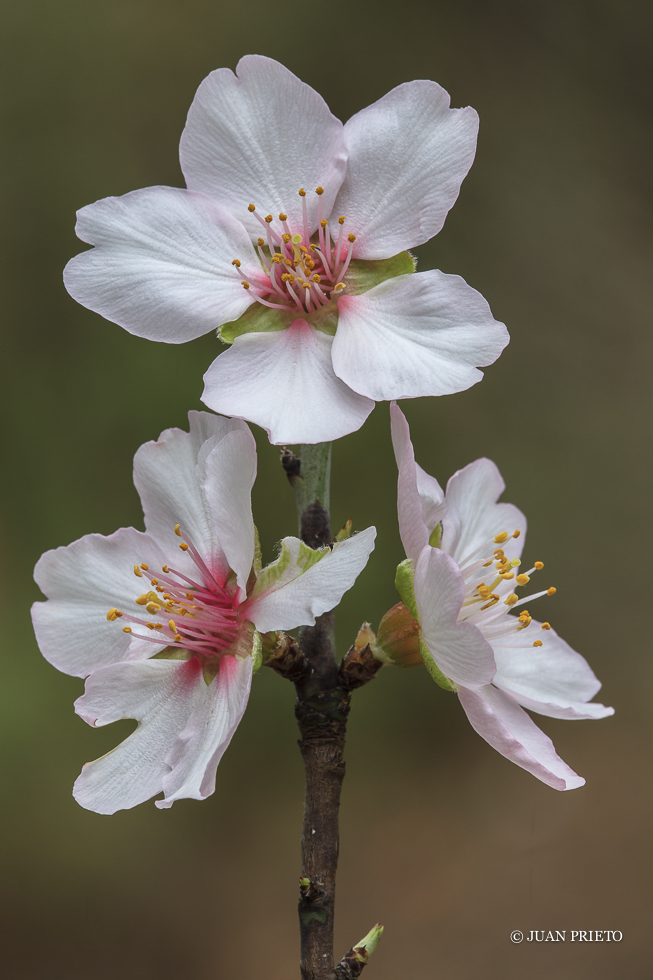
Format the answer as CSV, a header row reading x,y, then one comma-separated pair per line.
x,y
206,620
296,274
483,606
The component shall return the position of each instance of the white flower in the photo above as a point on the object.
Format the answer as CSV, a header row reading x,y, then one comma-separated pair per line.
x,y
464,593
329,317
186,601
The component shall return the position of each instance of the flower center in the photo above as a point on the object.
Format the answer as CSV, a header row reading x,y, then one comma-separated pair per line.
x,y
489,580
296,274
196,614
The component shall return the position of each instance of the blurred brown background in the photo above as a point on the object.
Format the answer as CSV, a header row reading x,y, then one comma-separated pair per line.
x,y
445,842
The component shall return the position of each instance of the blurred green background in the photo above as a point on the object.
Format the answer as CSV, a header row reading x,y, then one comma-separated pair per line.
x,y
447,843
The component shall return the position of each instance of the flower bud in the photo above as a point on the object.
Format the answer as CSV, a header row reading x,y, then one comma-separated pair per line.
x,y
397,640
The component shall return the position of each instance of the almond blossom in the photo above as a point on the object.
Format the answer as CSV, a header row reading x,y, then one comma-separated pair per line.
x,y
165,624
463,570
291,238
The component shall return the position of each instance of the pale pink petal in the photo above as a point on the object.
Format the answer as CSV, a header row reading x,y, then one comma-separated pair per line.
x,y
259,136
161,266
302,591
170,487
284,382
230,470
217,711
473,514
412,527
408,155
507,728
161,696
458,649
432,497
83,581
552,679
419,334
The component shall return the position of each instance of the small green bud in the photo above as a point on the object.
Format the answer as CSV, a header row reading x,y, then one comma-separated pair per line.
x,y
345,531
366,946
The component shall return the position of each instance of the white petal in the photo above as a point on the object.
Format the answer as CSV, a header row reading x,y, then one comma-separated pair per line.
x,y
432,497
295,596
284,382
170,488
258,137
458,649
230,472
413,335
161,695
161,266
197,751
83,581
552,679
408,155
412,527
500,721
473,514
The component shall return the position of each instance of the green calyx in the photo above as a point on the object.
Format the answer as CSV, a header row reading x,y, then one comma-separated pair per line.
x,y
360,277
405,586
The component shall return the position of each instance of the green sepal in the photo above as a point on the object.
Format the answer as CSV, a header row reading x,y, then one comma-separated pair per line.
x,y
362,275
405,586
257,652
436,536
257,318
257,564
345,531
173,653
433,668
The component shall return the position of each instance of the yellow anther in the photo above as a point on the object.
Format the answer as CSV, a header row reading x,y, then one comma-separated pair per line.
x,y
301,192
172,625
177,532
551,591
499,553
287,278
342,219
493,601
288,263
276,259
539,565
296,239
183,546
323,223
339,286
178,637
142,599
150,626
283,217
251,208
113,614
500,538
166,595
506,575
269,218
487,564
522,579
351,238
546,626
236,262
158,626
286,238
126,629
319,190
153,608
245,284
316,278
137,572
512,599
260,242
537,643
164,568
159,588
516,533
145,567
154,581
